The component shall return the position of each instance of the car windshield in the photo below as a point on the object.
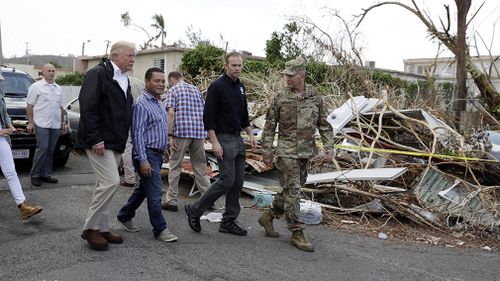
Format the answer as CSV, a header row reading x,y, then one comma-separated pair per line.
x,y
15,84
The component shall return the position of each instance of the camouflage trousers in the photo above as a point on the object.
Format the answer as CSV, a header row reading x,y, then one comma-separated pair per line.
x,y
293,174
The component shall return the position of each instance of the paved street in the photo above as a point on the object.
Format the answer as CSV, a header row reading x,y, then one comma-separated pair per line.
x,y
49,247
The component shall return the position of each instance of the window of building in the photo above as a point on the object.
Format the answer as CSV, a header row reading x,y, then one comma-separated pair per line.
x,y
420,69
160,63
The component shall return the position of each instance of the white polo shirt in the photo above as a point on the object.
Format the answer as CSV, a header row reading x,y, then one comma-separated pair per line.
x,y
47,101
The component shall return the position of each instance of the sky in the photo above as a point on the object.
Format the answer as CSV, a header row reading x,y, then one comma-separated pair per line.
x,y
388,35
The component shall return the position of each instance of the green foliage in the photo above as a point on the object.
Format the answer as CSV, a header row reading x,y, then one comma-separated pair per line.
x,y
256,66
203,58
72,79
316,72
273,48
55,64
381,78
284,45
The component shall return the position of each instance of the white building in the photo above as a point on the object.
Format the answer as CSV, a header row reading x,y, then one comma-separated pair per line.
x,y
444,70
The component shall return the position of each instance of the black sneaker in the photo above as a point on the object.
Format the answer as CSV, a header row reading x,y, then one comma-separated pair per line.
x,y
232,227
194,222
36,182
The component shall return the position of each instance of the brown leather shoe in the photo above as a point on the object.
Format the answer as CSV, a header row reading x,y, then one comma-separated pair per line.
x,y
95,239
27,211
168,207
112,238
124,183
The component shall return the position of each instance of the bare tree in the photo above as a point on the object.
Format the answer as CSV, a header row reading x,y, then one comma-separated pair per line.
x,y
490,95
347,54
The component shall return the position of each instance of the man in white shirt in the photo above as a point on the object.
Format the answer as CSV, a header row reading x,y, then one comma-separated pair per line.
x,y
45,118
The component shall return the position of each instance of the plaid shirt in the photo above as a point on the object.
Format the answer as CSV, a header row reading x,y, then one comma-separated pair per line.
x,y
188,103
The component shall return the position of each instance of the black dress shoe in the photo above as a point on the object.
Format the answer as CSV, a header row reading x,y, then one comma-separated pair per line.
x,y
194,222
48,179
232,228
36,182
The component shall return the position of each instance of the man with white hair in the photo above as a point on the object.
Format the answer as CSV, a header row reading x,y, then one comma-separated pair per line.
x,y
105,118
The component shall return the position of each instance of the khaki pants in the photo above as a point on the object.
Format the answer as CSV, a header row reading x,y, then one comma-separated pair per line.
x,y
198,163
107,181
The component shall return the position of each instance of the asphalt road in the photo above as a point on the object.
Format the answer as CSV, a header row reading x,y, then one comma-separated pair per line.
x,y
49,247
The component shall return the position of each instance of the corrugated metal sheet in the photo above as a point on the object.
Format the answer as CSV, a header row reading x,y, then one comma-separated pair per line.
x,y
468,204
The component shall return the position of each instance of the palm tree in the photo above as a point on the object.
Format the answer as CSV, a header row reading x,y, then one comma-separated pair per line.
x,y
159,25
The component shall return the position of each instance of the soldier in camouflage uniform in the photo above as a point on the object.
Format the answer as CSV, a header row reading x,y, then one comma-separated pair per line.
x,y
298,111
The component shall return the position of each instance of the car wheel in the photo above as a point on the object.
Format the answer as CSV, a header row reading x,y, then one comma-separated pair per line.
x,y
61,161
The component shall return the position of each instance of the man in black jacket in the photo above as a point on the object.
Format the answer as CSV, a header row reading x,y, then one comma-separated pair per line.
x,y
105,118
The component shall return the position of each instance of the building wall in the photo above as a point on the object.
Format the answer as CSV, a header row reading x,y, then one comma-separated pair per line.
x,y
446,70
168,61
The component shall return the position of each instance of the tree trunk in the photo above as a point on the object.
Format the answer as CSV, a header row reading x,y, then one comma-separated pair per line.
x,y
462,8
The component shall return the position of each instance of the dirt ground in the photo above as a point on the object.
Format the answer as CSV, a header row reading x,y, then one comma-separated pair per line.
x,y
400,230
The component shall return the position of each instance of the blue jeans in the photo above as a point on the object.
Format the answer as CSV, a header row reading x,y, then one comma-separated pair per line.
x,y
46,140
150,188
230,182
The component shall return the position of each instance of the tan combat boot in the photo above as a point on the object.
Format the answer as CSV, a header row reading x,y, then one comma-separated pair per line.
x,y
299,241
28,211
266,221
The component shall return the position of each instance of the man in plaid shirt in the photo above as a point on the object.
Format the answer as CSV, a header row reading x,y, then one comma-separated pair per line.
x,y
185,106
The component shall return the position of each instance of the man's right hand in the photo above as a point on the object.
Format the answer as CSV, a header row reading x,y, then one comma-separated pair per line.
x,y
146,169
98,149
268,160
173,145
5,132
217,149
29,128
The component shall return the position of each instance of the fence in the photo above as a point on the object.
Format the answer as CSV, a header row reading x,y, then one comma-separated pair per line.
x,y
70,93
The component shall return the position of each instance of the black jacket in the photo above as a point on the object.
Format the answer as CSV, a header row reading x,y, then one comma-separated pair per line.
x,y
105,113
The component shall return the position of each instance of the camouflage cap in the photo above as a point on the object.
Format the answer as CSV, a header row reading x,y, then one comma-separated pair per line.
x,y
294,66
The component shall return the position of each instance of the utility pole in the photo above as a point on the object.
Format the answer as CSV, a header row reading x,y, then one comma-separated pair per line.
x,y
27,53
107,46
83,47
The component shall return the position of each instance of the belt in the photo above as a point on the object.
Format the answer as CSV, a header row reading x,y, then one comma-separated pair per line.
x,y
155,150
236,133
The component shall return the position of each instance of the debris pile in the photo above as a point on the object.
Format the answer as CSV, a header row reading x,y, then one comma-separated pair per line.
x,y
399,163
390,161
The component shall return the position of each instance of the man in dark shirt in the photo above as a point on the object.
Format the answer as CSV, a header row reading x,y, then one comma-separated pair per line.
x,y
225,114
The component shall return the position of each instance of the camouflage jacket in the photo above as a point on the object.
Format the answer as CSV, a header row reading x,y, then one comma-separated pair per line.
x,y
297,119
